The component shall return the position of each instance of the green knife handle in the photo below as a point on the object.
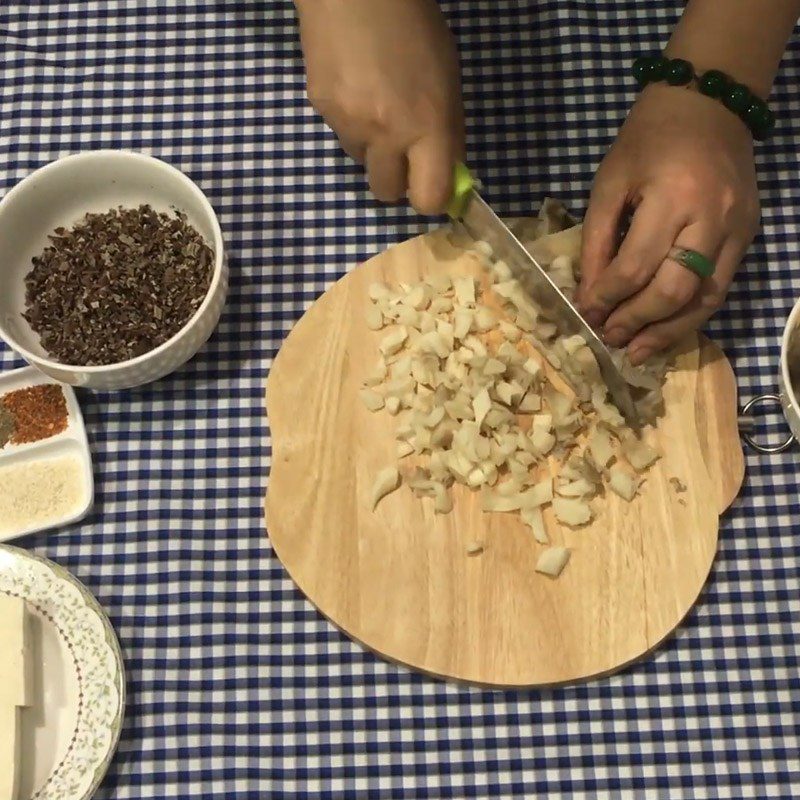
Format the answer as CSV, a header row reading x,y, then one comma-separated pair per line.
x,y
463,184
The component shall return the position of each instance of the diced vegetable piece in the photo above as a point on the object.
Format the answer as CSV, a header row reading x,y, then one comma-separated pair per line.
x,y
393,341
379,291
601,448
494,367
372,400
387,481
530,403
538,495
542,440
622,484
404,449
552,561
465,290
374,317
511,332
639,454
578,488
572,512
481,405
534,519
442,502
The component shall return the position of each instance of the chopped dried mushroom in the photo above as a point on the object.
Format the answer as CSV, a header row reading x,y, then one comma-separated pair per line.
x,y
476,404
678,485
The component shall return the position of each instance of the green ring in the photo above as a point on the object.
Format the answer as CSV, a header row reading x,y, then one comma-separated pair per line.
x,y
694,261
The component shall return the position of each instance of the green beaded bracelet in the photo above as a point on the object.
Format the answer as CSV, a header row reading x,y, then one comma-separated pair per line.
x,y
736,97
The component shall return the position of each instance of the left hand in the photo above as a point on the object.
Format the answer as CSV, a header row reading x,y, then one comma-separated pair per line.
x,y
684,165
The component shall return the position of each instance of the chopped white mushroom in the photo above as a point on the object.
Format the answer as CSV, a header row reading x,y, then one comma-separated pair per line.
x,y
639,454
509,392
622,484
511,332
379,291
374,317
601,448
552,561
542,440
501,271
457,373
465,290
578,488
485,319
378,375
404,449
442,502
387,481
393,341
393,405
481,405
463,319
572,512
534,519
538,495
494,367
372,400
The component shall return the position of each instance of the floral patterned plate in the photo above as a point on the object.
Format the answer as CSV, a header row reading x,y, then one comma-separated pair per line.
x,y
69,736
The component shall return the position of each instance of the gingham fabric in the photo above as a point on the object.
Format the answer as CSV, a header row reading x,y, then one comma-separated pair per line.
x,y
236,686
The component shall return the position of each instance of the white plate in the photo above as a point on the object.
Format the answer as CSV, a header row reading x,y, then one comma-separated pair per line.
x,y
69,736
71,441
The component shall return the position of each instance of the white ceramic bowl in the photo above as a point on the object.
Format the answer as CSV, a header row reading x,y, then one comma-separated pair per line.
x,y
790,354
60,194
787,399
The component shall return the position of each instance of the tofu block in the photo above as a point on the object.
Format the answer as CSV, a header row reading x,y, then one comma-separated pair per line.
x,y
15,689
15,678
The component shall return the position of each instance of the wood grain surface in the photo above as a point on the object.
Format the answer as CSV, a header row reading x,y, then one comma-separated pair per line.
x,y
399,580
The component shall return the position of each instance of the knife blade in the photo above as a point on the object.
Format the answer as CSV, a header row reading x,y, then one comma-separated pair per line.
x,y
483,224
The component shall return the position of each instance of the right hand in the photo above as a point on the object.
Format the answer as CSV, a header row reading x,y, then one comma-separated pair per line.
x,y
385,76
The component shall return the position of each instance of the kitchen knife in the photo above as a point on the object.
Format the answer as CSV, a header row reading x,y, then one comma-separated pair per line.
x,y
483,224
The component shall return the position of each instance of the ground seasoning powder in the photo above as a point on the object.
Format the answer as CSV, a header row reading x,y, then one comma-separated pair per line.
x,y
40,493
117,285
37,412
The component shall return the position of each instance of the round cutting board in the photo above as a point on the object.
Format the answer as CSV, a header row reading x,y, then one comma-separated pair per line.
x,y
399,579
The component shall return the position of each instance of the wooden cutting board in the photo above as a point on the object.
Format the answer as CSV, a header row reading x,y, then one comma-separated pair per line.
x,y
399,580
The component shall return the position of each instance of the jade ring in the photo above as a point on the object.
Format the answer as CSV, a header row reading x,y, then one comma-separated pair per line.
x,y
692,260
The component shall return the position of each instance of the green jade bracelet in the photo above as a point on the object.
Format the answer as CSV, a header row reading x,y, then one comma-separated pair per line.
x,y
736,97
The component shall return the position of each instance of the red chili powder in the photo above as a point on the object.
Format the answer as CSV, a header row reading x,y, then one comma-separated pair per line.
x,y
39,412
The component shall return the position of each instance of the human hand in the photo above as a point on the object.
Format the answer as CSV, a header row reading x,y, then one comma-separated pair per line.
x,y
684,164
385,76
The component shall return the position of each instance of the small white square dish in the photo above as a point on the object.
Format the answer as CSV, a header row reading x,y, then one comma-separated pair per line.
x,y
57,469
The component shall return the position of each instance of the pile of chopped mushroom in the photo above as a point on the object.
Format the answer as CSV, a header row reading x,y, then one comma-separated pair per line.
x,y
488,394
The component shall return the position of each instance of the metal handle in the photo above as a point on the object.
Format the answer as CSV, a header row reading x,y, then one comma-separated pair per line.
x,y
746,425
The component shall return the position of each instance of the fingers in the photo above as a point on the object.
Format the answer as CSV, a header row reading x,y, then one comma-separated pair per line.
x,y
669,332
654,228
600,228
355,149
388,172
430,173
672,287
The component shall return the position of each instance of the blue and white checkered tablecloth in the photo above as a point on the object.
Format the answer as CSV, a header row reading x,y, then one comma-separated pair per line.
x,y
237,687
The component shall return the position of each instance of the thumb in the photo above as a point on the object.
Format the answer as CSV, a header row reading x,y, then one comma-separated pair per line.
x,y
600,231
